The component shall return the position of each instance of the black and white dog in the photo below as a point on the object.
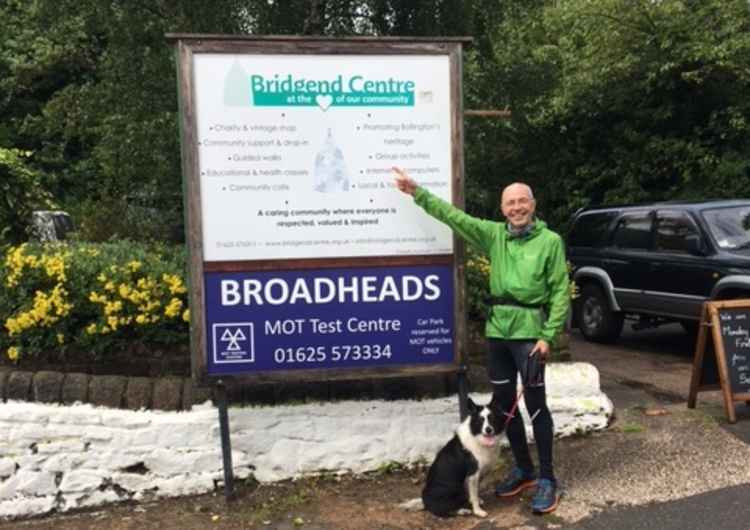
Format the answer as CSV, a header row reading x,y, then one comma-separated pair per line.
x,y
452,484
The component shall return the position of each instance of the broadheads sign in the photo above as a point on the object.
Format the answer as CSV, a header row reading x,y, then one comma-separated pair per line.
x,y
306,258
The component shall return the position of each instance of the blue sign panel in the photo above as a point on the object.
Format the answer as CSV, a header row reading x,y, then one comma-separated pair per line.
x,y
328,318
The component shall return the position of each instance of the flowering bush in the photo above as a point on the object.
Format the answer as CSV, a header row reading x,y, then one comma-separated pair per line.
x,y
477,284
91,298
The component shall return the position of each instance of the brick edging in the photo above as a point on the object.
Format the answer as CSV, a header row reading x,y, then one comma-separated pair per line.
x,y
134,393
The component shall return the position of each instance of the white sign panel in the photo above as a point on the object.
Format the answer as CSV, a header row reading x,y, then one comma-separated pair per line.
x,y
295,154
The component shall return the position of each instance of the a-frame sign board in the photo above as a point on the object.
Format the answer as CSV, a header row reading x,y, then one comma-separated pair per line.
x,y
727,368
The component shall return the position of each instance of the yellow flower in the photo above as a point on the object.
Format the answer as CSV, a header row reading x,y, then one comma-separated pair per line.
x,y
141,319
146,283
124,291
186,315
60,338
173,309
134,265
109,286
102,278
113,307
13,353
91,329
174,282
97,298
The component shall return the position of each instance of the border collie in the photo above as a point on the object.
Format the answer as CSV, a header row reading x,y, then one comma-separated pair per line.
x,y
453,478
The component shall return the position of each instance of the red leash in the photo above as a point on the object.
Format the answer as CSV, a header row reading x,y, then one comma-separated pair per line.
x,y
512,413
509,415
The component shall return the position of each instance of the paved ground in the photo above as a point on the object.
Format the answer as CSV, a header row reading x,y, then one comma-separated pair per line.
x,y
658,465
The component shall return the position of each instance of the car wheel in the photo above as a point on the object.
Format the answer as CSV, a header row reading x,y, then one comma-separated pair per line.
x,y
596,320
691,327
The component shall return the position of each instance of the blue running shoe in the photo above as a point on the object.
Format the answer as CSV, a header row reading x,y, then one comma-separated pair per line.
x,y
546,498
515,483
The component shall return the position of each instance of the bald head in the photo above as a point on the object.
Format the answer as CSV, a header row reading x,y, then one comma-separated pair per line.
x,y
517,204
515,188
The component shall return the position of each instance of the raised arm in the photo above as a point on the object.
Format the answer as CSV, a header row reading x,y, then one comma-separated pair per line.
x,y
478,232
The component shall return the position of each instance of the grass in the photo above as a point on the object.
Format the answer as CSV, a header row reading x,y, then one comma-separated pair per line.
x,y
632,427
388,468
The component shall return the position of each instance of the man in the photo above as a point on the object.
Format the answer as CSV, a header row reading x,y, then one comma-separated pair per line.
x,y
530,302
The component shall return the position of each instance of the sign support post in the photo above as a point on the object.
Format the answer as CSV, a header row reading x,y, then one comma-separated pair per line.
x,y
463,391
226,443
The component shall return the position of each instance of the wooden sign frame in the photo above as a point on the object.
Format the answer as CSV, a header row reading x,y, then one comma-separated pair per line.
x,y
710,319
186,45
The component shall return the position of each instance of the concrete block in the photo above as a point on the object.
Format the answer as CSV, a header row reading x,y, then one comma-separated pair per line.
x,y
35,483
194,395
167,393
19,386
81,480
7,467
75,387
107,390
4,373
138,393
47,386
27,506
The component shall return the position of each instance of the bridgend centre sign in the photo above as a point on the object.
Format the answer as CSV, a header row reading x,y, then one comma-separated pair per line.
x,y
305,262
354,90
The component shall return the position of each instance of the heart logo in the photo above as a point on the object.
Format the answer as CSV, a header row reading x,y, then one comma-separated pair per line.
x,y
324,101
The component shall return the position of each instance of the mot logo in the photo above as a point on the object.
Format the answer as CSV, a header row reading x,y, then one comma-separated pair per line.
x,y
233,343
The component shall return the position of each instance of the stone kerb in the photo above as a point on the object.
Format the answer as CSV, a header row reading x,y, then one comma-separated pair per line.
x,y
134,393
57,458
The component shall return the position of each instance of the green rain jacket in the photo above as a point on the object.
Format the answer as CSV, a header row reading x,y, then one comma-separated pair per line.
x,y
530,270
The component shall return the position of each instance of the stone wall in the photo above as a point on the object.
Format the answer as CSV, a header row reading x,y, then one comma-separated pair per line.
x,y
59,457
114,391
179,393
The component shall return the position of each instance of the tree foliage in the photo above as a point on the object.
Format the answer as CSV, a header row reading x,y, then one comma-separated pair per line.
x,y
21,192
612,100
638,100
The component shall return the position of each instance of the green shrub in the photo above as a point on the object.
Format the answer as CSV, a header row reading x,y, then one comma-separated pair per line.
x,y
477,284
21,192
91,298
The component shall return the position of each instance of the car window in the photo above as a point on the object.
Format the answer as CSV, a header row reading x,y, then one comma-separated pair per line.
x,y
590,229
633,231
730,227
672,229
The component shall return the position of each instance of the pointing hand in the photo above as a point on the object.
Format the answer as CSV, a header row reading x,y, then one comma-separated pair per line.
x,y
404,182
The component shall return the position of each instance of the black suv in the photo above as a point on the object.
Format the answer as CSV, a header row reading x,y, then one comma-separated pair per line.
x,y
656,263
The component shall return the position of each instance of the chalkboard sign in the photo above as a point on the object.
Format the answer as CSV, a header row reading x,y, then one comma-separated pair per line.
x,y
735,336
728,367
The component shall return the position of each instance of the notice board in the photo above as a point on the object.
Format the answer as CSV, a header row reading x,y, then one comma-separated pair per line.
x,y
727,325
306,263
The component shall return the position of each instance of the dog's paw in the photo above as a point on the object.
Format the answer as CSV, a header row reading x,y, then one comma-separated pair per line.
x,y
464,511
480,512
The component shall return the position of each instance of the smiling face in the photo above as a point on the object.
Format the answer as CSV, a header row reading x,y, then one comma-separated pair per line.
x,y
518,205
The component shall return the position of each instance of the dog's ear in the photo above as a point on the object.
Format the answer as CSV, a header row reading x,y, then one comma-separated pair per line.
x,y
472,406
